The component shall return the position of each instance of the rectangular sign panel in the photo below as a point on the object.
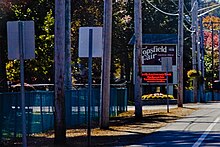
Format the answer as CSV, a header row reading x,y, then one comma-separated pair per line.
x,y
96,41
157,77
13,40
166,63
151,54
17,35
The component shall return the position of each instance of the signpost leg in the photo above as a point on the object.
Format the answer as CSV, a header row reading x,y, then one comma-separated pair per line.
x,y
167,86
24,139
90,86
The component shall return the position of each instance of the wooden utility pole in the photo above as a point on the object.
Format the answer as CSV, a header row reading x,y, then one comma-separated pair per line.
x,y
219,54
197,39
137,59
202,86
59,114
212,23
180,55
68,71
194,5
106,65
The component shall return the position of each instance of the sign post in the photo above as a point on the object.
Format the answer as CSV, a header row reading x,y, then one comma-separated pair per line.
x,y
21,46
24,139
167,66
90,45
90,86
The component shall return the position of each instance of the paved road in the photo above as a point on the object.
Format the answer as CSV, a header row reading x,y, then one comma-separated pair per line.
x,y
202,128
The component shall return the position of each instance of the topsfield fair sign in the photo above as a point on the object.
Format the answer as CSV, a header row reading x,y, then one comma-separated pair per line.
x,y
151,54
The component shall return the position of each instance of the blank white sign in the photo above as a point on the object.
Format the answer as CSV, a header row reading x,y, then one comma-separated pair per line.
x,y
97,49
14,41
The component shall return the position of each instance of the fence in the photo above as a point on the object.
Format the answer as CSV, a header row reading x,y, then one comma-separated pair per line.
x,y
188,96
40,107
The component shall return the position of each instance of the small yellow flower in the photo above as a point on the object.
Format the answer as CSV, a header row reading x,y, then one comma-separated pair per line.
x,y
157,96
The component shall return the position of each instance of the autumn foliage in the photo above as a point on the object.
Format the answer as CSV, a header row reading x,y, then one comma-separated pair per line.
x,y
207,22
208,39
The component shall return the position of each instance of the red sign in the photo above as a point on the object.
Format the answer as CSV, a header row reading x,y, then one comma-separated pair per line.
x,y
157,77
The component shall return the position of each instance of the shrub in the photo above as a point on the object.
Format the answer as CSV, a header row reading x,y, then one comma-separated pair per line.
x,y
192,74
157,96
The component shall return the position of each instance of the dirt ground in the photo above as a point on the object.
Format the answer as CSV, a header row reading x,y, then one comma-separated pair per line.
x,y
123,130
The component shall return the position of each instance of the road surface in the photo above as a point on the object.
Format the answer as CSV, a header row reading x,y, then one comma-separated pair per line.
x,y
201,128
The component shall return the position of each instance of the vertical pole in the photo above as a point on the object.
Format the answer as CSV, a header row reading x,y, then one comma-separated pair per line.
x,y
167,85
106,65
198,65
68,77
202,87
90,86
194,66
197,39
137,59
15,117
180,55
21,52
68,70
212,60
219,54
59,94
41,114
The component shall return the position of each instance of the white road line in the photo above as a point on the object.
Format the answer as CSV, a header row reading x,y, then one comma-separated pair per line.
x,y
204,135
